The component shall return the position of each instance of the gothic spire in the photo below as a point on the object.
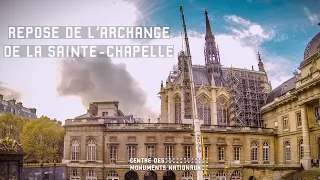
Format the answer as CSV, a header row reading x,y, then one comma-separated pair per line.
x,y
211,52
208,27
260,64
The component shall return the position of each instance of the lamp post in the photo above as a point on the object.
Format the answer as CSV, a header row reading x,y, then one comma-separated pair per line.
x,y
42,176
54,170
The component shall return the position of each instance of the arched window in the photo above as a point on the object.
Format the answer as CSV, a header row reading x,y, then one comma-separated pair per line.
x,y
112,175
187,176
91,175
222,107
204,110
265,151
206,177
177,110
75,150
236,175
254,151
74,175
221,175
287,151
91,150
301,150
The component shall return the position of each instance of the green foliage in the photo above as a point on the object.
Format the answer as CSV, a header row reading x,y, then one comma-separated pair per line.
x,y
11,125
42,139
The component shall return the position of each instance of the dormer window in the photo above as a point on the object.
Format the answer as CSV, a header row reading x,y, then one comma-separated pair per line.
x,y
104,113
285,87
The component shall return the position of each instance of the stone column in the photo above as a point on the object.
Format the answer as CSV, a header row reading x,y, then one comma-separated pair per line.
x,y
306,161
213,106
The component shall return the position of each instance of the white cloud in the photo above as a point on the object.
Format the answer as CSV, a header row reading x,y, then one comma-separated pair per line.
x,y
252,34
38,78
313,18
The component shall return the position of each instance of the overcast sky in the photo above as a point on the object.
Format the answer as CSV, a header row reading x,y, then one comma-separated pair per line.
x,y
62,89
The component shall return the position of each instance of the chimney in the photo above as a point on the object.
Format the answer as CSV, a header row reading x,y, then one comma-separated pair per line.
x,y
19,105
93,109
12,102
252,68
33,110
1,98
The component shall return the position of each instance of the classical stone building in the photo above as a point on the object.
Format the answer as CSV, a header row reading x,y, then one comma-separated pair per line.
x,y
249,130
11,106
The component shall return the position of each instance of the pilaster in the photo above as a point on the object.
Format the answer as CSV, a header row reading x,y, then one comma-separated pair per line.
x,y
213,106
163,108
182,105
170,107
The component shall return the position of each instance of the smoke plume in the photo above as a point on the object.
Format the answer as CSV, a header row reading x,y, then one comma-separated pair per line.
x,y
99,79
9,93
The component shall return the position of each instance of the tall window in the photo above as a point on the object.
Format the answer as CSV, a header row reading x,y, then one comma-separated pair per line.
x,y
265,151
169,151
221,154
317,113
204,111
151,151
187,151
74,175
113,153
206,152
91,153
301,150
112,175
221,175
299,123
131,152
75,150
91,175
177,110
222,111
285,123
237,153
288,151
187,175
254,151
206,177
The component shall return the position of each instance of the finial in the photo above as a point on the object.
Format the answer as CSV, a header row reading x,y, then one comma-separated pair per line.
x,y
260,64
205,9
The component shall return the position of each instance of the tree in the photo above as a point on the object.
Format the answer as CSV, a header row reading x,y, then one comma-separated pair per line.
x,y
42,140
11,125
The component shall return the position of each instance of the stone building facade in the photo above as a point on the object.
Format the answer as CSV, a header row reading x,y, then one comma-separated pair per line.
x,y
11,106
250,131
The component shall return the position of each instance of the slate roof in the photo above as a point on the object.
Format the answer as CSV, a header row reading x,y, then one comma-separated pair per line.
x,y
282,89
201,76
312,47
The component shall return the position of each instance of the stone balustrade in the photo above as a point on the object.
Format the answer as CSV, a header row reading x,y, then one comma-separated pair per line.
x,y
166,126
